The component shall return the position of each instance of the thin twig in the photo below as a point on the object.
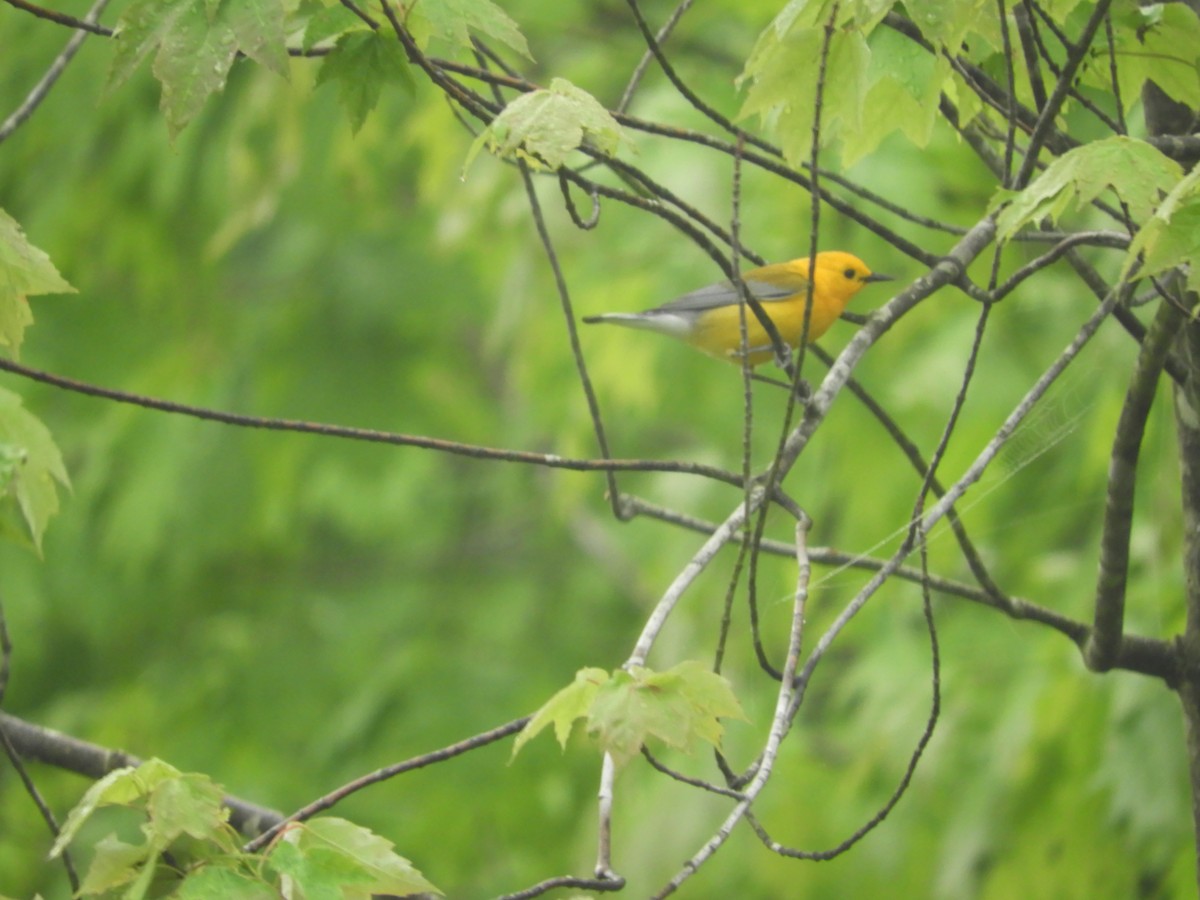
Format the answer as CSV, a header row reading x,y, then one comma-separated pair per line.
x,y
1044,127
581,223
1125,317
639,70
361,13
1010,119
747,406
769,163
1082,99
1115,81
914,757
60,18
688,780
1027,32
1147,656
726,124
39,801
983,85
564,297
473,102
42,89
363,781
566,881
1059,250
474,451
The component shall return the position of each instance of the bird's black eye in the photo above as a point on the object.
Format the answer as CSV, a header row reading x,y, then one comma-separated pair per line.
x,y
850,273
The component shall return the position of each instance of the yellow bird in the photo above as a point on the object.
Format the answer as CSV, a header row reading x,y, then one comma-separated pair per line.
x,y
709,319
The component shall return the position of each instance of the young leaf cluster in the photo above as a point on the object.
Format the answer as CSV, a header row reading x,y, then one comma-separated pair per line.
x,y
188,850
681,707
544,127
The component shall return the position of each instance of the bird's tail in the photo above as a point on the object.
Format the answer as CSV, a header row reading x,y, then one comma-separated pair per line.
x,y
662,322
633,319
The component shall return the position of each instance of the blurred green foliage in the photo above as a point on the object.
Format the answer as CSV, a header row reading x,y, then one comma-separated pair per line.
x,y
285,612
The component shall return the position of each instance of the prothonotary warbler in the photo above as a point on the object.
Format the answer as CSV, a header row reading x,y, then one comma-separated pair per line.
x,y
709,320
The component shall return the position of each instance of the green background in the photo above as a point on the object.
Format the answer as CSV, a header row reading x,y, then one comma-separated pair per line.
x,y
286,612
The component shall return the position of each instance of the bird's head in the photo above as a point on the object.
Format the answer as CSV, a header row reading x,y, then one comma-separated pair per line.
x,y
842,275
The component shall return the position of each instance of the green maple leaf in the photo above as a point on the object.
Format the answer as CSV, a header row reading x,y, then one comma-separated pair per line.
x,y
1158,42
455,21
30,466
121,787
194,43
564,708
1171,236
680,707
785,66
331,857
361,63
114,863
545,126
327,22
1138,173
24,271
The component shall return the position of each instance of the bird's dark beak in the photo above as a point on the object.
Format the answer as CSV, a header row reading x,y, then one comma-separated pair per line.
x,y
875,276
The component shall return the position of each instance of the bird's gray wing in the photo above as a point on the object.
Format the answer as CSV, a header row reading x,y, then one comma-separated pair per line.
x,y
723,294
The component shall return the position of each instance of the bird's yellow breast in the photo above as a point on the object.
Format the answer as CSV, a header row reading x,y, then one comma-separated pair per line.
x,y
718,331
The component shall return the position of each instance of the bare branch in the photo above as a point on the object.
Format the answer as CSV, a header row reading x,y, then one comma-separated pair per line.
x,y
780,722
722,535
566,881
608,779
45,745
1105,641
